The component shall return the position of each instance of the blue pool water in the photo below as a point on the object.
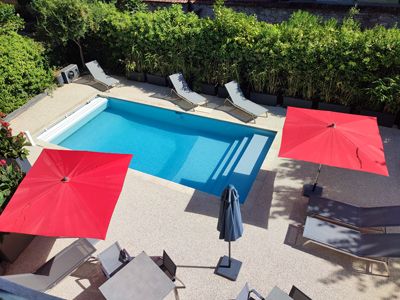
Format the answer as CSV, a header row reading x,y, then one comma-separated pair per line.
x,y
199,152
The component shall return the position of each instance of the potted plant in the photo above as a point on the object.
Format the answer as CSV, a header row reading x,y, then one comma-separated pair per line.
x,y
133,72
296,102
206,81
260,84
134,66
384,100
292,93
225,72
335,91
333,106
156,69
57,75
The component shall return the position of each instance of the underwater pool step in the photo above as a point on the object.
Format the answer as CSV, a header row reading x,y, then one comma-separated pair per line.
x,y
225,160
249,164
242,160
251,155
235,156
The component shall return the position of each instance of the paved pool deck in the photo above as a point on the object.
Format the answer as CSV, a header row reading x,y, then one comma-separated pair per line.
x,y
153,214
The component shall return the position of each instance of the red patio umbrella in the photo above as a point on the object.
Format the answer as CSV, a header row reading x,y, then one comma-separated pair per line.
x,y
67,194
333,139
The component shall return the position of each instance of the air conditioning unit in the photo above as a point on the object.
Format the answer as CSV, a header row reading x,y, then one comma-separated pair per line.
x,y
70,73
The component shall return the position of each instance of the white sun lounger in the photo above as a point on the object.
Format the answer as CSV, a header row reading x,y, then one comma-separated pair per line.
x,y
240,102
99,76
182,90
57,268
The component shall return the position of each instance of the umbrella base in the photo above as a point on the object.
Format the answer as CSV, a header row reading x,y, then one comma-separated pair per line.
x,y
308,190
231,272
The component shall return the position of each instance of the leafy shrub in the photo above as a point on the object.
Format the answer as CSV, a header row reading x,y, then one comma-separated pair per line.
x,y
385,92
10,177
11,146
9,20
24,72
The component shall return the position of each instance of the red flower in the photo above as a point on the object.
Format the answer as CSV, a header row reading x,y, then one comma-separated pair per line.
x,y
2,162
5,124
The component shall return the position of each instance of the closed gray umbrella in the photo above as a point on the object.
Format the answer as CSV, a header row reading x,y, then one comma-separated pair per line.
x,y
230,228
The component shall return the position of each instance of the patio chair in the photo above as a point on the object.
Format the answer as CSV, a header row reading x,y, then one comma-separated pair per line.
x,y
248,294
113,259
375,247
238,100
297,294
99,76
57,268
168,266
353,216
182,90
12,291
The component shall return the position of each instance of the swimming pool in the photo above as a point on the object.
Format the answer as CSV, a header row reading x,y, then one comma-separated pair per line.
x,y
202,153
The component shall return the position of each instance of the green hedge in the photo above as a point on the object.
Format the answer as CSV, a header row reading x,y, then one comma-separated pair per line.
x,y
24,72
305,56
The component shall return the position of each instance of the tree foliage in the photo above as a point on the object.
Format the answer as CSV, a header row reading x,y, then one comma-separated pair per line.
x,y
60,21
131,6
9,20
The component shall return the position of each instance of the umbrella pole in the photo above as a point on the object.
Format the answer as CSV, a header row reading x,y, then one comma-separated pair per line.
x,y
229,265
316,177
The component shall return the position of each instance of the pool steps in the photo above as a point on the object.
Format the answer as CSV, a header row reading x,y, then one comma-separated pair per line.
x,y
240,161
251,154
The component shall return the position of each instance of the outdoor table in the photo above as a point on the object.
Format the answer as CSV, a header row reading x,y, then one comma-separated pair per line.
x,y
141,278
278,294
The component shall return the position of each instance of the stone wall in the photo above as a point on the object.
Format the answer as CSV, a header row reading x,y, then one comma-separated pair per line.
x,y
368,16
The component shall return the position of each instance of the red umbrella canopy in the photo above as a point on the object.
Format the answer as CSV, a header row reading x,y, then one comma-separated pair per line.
x,y
67,194
333,139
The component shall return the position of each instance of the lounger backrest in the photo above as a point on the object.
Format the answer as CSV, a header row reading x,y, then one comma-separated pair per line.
x,y
354,215
66,261
297,294
379,245
334,210
169,264
97,72
352,241
380,216
235,93
109,259
179,83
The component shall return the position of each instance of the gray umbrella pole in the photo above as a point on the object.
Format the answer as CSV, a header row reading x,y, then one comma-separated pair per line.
x,y
229,265
316,177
